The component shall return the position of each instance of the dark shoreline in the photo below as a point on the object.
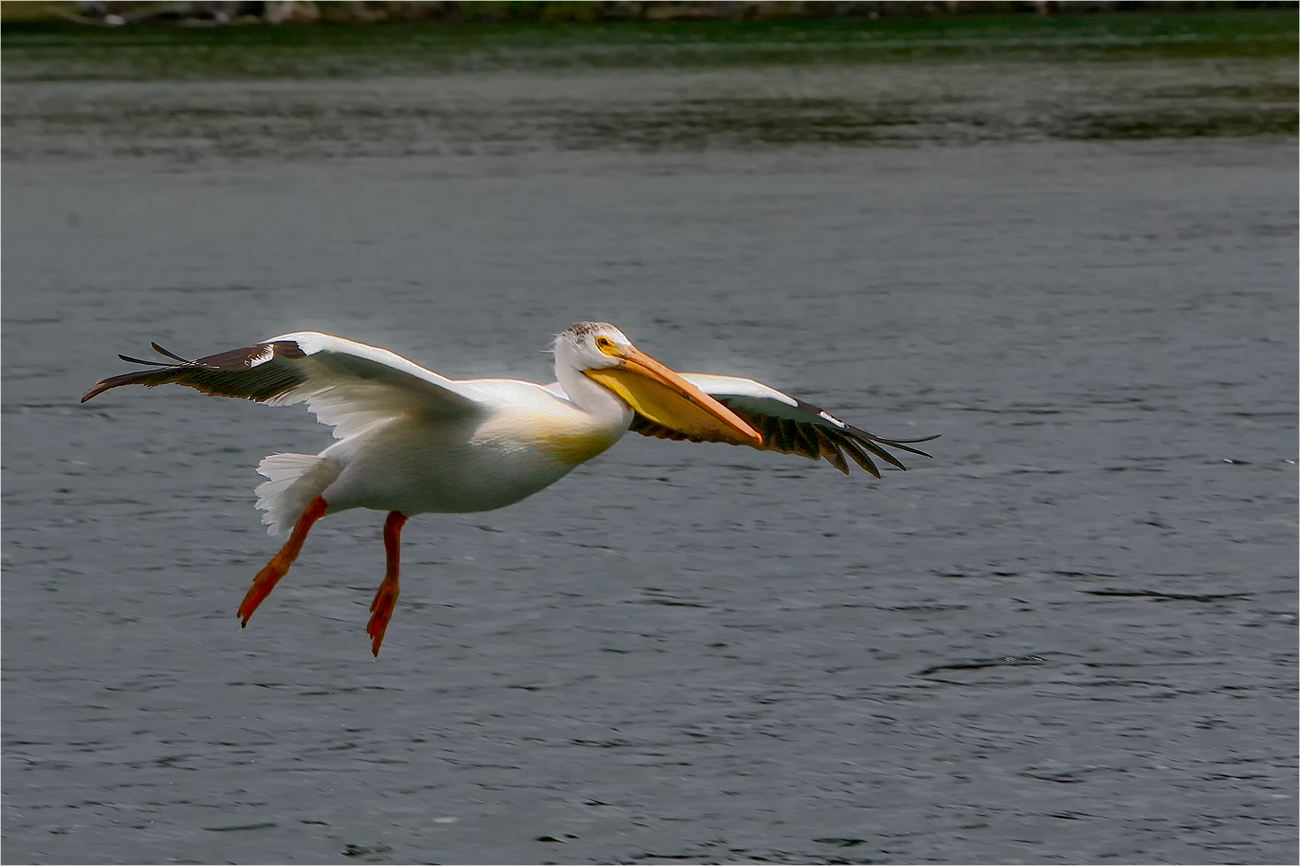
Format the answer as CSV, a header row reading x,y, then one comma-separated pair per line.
x,y
66,52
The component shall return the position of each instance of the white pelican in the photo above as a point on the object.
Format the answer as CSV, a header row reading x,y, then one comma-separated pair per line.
x,y
413,442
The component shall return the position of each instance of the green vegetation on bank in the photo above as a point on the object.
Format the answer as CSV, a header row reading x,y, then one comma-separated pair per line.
x,y
73,52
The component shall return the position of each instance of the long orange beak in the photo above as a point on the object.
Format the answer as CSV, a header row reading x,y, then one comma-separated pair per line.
x,y
666,398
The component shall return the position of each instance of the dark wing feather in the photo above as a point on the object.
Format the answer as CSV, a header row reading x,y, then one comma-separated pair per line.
x,y
790,426
819,436
245,372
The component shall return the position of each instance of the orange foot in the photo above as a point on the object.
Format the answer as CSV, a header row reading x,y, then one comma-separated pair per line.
x,y
386,597
382,610
265,581
278,567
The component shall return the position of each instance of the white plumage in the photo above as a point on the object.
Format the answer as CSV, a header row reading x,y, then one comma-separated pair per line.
x,y
413,442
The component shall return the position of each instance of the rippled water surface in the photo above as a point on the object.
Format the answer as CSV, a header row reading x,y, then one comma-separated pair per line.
x,y
1069,637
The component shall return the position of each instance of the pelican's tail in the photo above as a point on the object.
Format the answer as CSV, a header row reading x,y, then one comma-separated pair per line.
x,y
295,480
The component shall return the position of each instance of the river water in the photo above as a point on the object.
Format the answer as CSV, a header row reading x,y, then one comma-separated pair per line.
x,y
1068,637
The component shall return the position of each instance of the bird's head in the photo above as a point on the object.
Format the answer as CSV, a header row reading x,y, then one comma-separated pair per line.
x,y
592,346
605,355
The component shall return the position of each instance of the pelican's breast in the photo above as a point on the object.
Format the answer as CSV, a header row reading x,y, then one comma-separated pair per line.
x,y
569,437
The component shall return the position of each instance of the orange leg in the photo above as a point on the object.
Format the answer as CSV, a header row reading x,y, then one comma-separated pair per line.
x,y
278,567
386,597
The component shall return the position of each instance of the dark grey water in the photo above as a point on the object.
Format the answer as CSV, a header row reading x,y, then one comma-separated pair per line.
x,y
1068,638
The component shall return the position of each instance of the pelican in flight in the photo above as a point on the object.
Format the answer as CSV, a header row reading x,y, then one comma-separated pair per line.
x,y
413,442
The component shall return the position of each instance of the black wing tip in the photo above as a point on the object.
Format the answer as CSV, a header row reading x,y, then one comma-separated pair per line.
x,y
167,354
901,444
235,373
917,451
105,384
131,378
854,449
131,360
911,441
863,439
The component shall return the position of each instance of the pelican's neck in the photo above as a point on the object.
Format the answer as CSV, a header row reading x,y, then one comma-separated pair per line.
x,y
601,405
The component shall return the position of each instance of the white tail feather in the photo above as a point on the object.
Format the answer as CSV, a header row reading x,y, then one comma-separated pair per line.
x,y
295,480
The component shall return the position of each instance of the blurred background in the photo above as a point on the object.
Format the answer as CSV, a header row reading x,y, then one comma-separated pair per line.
x,y
1061,235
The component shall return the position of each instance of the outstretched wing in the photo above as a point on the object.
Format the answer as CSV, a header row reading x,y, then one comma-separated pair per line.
x,y
789,425
345,384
